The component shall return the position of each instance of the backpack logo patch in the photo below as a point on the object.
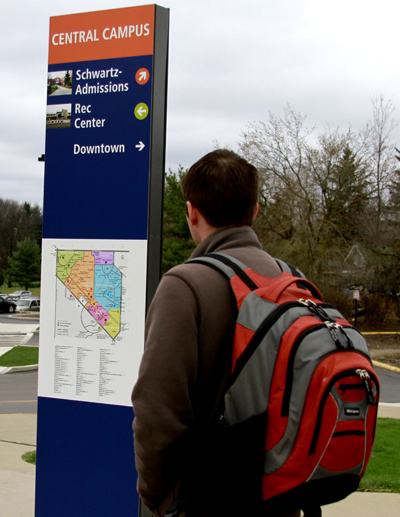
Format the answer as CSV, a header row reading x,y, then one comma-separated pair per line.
x,y
352,411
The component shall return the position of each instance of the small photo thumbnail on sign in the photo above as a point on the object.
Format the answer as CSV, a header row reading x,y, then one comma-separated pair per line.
x,y
58,115
59,83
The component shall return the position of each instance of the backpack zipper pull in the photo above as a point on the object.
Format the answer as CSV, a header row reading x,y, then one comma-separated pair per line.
x,y
317,310
334,329
367,382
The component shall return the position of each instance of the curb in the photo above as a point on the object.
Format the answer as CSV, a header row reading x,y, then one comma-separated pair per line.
x,y
379,333
377,363
29,316
14,369
386,366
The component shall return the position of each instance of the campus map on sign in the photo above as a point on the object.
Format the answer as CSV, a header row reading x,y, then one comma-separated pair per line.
x,y
90,301
92,337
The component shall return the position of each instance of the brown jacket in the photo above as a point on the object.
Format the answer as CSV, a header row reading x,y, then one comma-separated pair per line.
x,y
182,376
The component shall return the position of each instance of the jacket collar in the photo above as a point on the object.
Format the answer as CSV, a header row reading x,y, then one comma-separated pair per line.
x,y
226,238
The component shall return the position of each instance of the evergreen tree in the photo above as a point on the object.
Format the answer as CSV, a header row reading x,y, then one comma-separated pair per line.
x,y
394,201
25,263
17,221
347,198
67,79
177,242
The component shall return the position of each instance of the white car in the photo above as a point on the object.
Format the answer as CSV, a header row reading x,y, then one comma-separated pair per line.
x,y
27,304
18,294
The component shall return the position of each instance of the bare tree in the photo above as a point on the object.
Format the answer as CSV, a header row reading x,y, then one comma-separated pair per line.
x,y
382,159
280,149
312,187
324,195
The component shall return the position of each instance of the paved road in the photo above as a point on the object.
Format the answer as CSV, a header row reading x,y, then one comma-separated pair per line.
x,y
18,393
9,339
390,385
61,90
12,320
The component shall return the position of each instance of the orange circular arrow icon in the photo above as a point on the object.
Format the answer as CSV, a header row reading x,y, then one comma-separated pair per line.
x,y
142,76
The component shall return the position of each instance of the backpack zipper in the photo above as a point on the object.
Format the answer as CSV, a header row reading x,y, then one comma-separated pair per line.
x,y
346,373
290,368
262,330
344,387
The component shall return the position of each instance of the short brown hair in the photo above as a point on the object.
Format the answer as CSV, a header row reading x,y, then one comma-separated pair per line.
x,y
224,187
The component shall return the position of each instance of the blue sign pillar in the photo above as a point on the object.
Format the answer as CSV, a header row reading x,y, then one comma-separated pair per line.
x,y
105,155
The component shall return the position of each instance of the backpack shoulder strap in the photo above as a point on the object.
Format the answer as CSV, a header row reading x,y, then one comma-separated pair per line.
x,y
231,267
285,266
226,265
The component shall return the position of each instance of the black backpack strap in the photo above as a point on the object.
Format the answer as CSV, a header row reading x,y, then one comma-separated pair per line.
x,y
285,266
230,266
226,265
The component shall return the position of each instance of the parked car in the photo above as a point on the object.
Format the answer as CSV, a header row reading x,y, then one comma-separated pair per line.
x,y
7,305
18,294
27,304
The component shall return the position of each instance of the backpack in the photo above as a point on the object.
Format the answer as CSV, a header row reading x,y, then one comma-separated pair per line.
x,y
303,376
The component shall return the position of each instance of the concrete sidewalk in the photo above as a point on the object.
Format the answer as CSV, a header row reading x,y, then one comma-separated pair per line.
x,y
14,327
365,504
17,478
14,334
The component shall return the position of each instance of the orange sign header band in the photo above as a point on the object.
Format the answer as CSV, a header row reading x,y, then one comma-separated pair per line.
x,y
109,34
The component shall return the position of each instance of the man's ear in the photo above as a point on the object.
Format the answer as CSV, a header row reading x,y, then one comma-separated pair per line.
x,y
256,211
192,213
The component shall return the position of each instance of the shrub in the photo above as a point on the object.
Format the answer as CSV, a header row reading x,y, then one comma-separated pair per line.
x,y
377,306
339,298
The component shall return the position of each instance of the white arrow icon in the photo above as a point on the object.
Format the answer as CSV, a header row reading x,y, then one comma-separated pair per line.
x,y
142,76
141,111
140,146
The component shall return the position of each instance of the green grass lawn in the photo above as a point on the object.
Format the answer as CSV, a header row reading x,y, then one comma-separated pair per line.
x,y
20,356
383,470
30,457
8,290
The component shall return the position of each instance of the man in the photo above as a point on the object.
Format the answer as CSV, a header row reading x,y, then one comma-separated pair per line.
x,y
188,352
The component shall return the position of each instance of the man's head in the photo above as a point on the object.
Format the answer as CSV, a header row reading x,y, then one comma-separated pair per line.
x,y
223,187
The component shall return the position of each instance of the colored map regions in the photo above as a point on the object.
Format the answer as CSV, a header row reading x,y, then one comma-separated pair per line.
x,y
93,279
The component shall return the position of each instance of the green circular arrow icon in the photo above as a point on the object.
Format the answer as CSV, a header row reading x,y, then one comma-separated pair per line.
x,y
141,111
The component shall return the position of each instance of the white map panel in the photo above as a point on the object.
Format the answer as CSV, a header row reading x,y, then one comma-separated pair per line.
x,y
92,319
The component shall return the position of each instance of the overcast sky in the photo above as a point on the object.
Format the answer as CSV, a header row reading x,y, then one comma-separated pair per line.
x,y
230,63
